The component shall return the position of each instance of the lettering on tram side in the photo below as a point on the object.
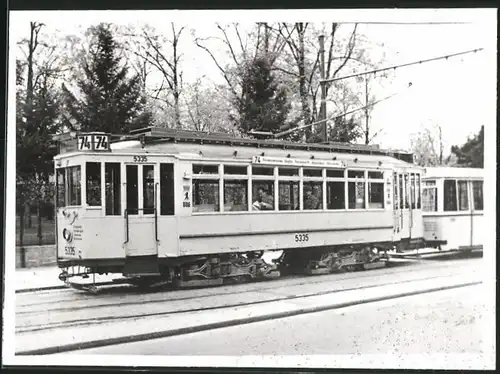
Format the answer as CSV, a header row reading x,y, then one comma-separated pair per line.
x,y
301,237
77,232
140,158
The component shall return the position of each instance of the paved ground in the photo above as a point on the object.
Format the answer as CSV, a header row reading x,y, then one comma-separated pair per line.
x,y
441,322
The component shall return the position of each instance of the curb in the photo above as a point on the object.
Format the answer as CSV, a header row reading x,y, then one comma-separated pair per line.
x,y
229,323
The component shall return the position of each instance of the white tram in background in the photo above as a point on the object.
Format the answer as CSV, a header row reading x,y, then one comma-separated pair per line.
x,y
195,208
453,208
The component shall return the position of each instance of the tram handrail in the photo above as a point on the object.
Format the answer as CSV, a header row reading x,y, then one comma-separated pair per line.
x,y
155,212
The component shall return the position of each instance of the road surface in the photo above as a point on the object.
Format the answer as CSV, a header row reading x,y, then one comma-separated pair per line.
x,y
440,322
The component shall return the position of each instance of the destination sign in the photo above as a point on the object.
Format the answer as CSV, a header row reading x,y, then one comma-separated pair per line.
x,y
93,142
296,162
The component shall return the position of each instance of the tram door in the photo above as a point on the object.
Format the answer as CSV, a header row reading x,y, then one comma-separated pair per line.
x,y
403,211
141,212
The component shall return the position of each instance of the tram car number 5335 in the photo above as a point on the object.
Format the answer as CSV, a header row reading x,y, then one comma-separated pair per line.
x,y
301,237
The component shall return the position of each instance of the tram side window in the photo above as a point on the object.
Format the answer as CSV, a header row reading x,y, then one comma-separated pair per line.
x,y
477,192
235,195
74,185
313,195
132,189
335,195
263,195
356,195
205,195
450,195
113,188
375,195
93,183
61,187
429,197
167,190
463,200
148,189
289,195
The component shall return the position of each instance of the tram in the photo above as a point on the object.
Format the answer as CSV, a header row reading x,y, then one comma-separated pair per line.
x,y
453,208
196,209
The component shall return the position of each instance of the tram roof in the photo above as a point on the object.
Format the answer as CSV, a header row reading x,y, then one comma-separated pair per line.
x,y
453,172
155,135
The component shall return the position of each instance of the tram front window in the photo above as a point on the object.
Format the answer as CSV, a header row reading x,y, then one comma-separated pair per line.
x,y
74,186
112,188
132,186
148,189
93,174
61,188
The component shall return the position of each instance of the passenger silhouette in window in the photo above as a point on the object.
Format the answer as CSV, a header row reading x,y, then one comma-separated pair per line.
x,y
264,201
312,201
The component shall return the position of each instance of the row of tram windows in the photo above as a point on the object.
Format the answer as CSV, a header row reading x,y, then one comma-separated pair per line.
x,y
458,195
68,187
284,188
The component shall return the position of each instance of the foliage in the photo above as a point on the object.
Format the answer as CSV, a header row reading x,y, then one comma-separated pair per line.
x,y
426,146
471,153
108,100
264,104
344,130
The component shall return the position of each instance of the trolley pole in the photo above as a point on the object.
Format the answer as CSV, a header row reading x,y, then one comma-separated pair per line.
x,y
322,110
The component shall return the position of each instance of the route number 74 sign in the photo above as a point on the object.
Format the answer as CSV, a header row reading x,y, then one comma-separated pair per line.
x,y
93,142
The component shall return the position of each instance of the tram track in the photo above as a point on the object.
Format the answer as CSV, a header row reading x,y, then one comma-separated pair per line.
x,y
83,300
249,317
107,312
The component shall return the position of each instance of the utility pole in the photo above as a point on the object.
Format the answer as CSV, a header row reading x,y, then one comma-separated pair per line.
x,y
367,113
322,110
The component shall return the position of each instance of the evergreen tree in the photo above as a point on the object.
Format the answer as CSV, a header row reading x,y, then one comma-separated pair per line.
x,y
264,104
108,100
471,154
343,130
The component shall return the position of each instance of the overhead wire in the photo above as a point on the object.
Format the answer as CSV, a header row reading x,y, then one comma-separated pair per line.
x,y
286,132
401,65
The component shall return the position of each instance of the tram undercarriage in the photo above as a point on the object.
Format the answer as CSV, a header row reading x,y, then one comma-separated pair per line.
x,y
205,271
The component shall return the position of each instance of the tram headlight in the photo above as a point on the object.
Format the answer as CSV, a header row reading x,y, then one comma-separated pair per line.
x,y
67,235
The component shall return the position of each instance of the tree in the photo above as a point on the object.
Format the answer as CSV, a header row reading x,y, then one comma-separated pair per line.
x,y
427,146
344,130
471,153
107,99
161,53
264,105
37,119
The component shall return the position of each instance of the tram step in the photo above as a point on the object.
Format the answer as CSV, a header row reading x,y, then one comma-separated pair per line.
x,y
199,283
318,271
374,265
141,265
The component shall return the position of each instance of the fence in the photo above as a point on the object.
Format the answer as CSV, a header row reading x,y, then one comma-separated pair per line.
x,y
30,235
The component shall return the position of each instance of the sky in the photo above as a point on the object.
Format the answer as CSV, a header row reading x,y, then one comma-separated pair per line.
x,y
458,94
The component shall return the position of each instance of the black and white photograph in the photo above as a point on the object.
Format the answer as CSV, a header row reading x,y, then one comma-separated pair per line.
x,y
251,189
